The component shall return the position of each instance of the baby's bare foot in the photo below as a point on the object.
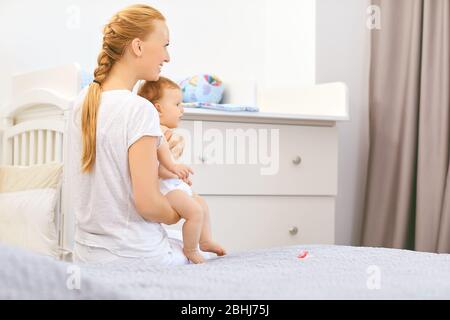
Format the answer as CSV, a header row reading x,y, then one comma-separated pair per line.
x,y
194,255
211,246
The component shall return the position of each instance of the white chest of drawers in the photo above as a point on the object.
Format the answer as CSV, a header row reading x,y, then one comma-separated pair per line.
x,y
256,203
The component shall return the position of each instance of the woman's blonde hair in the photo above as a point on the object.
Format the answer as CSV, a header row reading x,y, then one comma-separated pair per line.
x,y
135,21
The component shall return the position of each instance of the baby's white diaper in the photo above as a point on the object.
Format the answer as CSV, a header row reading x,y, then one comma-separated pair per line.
x,y
167,185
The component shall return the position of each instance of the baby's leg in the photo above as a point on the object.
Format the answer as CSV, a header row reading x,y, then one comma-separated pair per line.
x,y
206,242
190,210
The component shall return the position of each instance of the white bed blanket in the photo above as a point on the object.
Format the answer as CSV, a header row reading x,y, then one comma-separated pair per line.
x,y
327,272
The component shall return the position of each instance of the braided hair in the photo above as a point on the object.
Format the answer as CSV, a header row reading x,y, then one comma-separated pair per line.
x,y
135,21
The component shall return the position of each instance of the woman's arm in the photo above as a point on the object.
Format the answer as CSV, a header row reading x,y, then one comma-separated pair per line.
x,y
149,201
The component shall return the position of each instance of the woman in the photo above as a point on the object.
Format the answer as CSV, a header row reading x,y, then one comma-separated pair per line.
x,y
115,133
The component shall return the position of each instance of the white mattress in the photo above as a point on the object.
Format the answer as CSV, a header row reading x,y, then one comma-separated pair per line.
x,y
328,272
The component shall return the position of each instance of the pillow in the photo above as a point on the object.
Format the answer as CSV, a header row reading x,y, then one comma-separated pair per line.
x,y
28,199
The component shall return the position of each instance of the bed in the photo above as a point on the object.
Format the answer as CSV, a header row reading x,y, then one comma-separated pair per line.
x,y
329,272
32,132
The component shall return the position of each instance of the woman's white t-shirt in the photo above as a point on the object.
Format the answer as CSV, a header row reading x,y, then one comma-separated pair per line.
x,y
103,200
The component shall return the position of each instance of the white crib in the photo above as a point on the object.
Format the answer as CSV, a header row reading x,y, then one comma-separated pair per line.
x,y
33,130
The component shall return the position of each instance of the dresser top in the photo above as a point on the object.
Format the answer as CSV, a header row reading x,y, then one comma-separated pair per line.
x,y
260,117
322,104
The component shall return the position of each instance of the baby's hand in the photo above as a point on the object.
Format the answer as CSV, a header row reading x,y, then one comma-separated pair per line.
x,y
187,181
181,170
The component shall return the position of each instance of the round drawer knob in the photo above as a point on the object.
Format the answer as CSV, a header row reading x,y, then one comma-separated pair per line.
x,y
297,160
202,159
293,231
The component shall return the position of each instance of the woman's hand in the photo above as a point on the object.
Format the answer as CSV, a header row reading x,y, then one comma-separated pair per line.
x,y
168,135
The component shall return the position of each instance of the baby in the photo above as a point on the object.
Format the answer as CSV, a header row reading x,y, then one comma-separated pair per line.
x,y
175,183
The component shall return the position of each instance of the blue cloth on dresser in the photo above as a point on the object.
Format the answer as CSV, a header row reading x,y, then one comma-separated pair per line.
x,y
221,107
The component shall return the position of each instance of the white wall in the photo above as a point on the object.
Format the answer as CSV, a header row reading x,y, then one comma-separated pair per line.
x,y
258,39
342,54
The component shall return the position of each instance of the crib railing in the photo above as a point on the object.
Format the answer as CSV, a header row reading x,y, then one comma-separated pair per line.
x,y
32,143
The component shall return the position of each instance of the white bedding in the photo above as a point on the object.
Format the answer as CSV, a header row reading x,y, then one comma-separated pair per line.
x,y
328,272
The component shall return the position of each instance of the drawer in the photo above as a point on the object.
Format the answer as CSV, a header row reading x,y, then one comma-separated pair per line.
x,y
259,159
255,222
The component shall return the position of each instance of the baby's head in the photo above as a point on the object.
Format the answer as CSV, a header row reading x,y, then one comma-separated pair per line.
x,y
166,96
